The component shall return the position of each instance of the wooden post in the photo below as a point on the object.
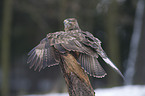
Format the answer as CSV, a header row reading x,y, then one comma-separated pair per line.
x,y
76,79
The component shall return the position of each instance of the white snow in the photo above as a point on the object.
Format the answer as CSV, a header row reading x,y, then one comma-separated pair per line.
x,y
129,90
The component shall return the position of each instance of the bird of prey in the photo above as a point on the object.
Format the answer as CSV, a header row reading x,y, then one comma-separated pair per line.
x,y
81,44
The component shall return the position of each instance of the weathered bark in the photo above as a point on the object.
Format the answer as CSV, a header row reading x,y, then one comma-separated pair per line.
x,y
76,79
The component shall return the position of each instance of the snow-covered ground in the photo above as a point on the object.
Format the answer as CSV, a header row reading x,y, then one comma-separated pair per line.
x,y
130,90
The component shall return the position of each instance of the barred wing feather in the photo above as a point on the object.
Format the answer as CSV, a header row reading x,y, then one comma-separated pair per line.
x,y
91,65
43,55
67,42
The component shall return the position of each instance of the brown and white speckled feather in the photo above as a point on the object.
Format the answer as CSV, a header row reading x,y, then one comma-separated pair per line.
x,y
91,65
43,55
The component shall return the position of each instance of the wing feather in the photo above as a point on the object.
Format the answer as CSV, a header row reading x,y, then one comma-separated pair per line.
x,y
41,65
70,41
75,45
31,57
71,46
51,57
38,62
42,55
60,48
91,66
95,43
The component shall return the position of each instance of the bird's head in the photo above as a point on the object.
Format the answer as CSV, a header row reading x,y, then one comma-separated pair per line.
x,y
71,24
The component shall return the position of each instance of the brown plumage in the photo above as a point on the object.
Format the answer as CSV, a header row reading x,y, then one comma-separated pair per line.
x,y
81,44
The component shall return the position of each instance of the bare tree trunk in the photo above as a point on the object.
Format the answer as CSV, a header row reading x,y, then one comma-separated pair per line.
x,y
76,79
5,58
139,76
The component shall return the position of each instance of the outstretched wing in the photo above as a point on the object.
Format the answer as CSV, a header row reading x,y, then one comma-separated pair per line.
x,y
95,43
91,65
43,55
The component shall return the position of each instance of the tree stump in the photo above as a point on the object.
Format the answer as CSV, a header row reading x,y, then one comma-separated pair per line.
x,y
76,78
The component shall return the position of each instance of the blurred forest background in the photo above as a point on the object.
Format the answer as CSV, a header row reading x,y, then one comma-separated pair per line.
x,y
119,24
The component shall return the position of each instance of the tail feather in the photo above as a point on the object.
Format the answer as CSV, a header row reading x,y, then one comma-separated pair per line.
x,y
104,56
110,63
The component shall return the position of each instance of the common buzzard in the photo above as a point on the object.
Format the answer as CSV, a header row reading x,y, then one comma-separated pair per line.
x,y
81,44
